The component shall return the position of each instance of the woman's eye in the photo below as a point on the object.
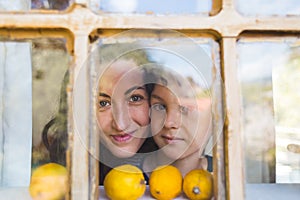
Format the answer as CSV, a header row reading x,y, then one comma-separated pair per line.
x,y
158,107
103,104
136,98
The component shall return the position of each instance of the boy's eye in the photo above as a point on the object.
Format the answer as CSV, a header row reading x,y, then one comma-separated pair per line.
x,y
184,109
158,107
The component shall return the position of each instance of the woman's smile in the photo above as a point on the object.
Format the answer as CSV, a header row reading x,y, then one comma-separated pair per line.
x,y
122,138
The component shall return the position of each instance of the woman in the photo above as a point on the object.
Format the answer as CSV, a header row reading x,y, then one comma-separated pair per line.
x,y
122,109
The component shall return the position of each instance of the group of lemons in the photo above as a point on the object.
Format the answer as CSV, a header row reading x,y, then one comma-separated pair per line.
x,y
165,183
127,182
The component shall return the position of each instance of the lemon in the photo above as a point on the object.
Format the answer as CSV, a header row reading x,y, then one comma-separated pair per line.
x,y
198,185
49,182
165,182
125,182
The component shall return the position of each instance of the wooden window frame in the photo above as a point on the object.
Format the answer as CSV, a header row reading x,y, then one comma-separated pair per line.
x,y
225,24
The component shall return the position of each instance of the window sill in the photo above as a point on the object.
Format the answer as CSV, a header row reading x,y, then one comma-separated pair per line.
x,y
15,193
272,191
146,195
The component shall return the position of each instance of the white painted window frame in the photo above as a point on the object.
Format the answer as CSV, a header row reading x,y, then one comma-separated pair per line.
x,y
225,24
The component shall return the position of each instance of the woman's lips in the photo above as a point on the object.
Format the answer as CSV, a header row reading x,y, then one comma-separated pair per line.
x,y
122,138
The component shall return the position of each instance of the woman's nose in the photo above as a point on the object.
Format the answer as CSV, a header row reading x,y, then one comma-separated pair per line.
x,y
121,117
173,119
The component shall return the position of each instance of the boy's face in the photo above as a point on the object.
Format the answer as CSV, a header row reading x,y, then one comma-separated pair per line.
x,y
180,125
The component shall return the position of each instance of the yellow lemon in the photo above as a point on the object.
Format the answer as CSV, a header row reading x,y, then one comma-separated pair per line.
x,y
165,182
198,185
49,182
125,182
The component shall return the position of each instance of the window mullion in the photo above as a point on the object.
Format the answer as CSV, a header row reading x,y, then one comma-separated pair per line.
x,y
233,136
79,152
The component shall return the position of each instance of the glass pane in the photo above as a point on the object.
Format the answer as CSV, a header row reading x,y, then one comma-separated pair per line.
x,y
168,67
268,7
25,5
14,5
50,62
15,109
153,7
51,4
33,82
268,73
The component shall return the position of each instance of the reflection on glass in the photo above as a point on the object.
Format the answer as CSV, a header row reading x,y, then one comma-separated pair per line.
x,y
269,73
50,4
24,5
286,77
16,5
154,6
16,112
182,77
268,7
31,87
49,78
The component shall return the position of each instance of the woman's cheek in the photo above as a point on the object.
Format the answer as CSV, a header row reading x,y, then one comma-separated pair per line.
x,y
140,115
103,121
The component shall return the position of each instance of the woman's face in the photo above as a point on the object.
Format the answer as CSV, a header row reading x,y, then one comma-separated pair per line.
x,y
122,108
180,126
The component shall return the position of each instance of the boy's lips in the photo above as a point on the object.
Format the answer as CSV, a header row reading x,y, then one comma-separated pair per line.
x,y
169,139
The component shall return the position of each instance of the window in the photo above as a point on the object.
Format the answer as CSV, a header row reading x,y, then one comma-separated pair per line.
x,y
32,72
142,6
269,111
268,8
238,41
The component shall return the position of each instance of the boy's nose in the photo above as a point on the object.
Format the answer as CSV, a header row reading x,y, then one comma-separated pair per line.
x,y
173,119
